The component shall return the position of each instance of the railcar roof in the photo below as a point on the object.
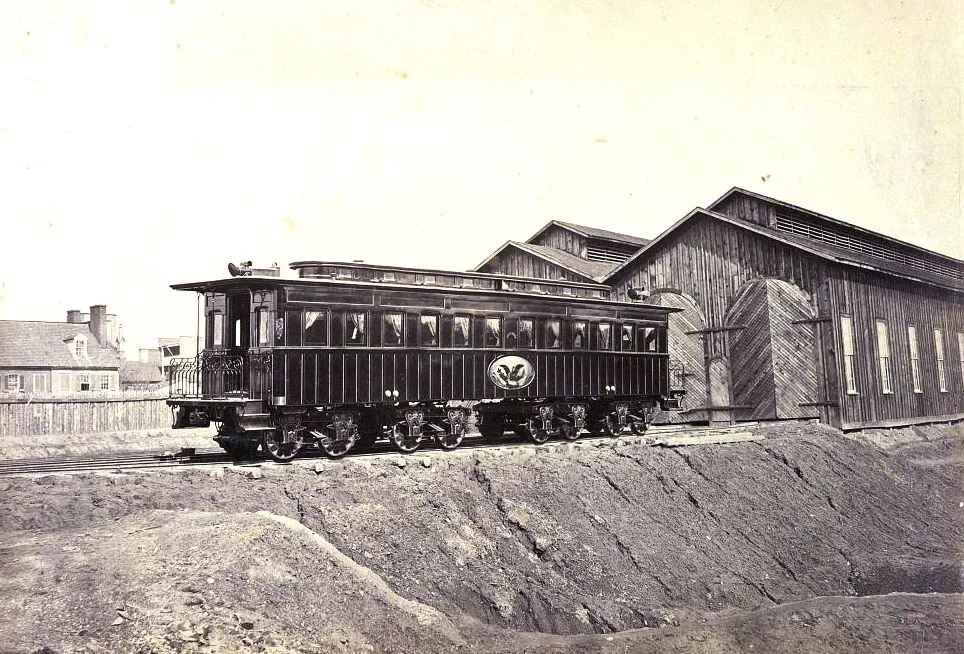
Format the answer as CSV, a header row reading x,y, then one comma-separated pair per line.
x,y
222,284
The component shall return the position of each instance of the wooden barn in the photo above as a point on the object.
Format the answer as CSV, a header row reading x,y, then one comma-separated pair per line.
x,y
788,314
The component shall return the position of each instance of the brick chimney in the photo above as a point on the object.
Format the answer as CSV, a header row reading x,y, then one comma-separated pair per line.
x,y
74,316
98,322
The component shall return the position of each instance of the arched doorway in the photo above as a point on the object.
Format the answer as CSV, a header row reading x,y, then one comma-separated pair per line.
x,y
686,356
772,353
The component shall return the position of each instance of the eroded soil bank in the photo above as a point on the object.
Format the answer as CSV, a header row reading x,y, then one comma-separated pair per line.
x,y
807,541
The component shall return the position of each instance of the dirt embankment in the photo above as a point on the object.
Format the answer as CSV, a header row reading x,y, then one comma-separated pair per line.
x,y
794,543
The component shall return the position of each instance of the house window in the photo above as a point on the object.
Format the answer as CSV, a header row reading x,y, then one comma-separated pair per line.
x,y
428,328
460,331
960,353
393,327
626,340
105,382
63,382
83,380
11,382
847,338
939,352
39,383
553,334
914,358
316,328
493,332
80,346
604,336
578,335
264,327
526,330
883,356
355,328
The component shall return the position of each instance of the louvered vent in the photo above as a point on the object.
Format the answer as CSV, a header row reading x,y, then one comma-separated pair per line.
x,y
786,222
610,253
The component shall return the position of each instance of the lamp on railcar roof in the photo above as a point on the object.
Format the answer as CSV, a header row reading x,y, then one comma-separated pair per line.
x,y
637,294
243,269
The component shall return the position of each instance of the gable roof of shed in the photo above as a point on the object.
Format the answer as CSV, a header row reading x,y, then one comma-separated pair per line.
x,y
36,344
591,270
592,232
817,248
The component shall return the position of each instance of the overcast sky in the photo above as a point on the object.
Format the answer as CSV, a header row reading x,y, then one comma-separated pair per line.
x,y
149,143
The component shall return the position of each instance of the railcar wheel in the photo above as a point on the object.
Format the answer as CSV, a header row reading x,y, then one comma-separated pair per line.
x,y
609,428
284,442
537,433
452,437
639,427
404,440
334,448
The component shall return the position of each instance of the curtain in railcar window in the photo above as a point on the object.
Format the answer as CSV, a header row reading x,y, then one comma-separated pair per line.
x,y
460,332
647,339
578,335
525,333
493,332
264,322
429,328
217,329
316,328
626,340
392,330
355,324
553,333
605,335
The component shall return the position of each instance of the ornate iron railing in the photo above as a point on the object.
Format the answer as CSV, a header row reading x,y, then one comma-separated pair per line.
x,y
211,374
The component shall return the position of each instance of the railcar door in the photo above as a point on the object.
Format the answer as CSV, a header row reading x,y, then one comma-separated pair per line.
x,y
239,331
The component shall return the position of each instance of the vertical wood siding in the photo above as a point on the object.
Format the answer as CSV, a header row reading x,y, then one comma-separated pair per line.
x,y
523,264
58,416
562,239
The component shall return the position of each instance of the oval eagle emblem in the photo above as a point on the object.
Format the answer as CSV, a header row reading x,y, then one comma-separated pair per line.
x,y
511,372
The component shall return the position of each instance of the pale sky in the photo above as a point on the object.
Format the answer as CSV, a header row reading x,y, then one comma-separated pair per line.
x,y
149,143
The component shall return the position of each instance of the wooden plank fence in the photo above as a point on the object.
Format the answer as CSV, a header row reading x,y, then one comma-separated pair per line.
x,y
35,415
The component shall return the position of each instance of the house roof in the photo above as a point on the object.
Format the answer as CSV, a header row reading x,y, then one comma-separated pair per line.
x,y
591,270
35,344
818,248
592,232
140,372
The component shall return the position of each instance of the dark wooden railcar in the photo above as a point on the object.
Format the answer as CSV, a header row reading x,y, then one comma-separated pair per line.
x,y
348,353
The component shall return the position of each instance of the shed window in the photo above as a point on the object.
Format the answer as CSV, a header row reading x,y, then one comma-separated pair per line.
x,y
493,332
579,336
393,327
553,334
883,356
355,328
960,353
626,339
604,340
526,331
428,326
316,327
847,340
939,353
914,358
460,332
264,325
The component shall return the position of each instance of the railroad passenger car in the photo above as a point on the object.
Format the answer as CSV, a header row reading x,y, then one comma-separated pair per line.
x,y
349,353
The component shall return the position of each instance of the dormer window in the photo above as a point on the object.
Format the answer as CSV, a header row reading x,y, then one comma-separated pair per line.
x,y
80,346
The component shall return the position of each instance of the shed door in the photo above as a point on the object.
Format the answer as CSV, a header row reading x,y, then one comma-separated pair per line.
x,y
773,369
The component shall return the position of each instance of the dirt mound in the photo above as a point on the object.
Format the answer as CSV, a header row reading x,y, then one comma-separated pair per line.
x,y
768,542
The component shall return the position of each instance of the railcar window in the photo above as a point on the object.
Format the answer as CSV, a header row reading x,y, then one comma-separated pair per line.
x,y
316,328
429,331
647,339
392,330
493,332
264,322
355,328
604,336
217,329
553,334
525,333
626,340
460,331
579,335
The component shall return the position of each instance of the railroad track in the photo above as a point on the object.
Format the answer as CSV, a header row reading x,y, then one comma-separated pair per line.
x,y
667,435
